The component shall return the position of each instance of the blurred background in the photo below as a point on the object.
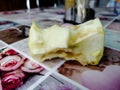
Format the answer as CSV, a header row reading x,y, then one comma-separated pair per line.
x,y
7,5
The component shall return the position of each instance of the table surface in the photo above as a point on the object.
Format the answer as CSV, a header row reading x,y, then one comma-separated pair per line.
x,y
14,29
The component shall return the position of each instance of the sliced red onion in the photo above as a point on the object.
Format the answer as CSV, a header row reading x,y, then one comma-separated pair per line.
x,y
9,63
31,70
96,80
9,51
31,67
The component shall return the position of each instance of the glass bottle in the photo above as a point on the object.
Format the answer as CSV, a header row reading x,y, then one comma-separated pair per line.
x,y
78,11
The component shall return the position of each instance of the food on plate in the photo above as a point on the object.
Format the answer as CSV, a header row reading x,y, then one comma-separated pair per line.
x,y
84,42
